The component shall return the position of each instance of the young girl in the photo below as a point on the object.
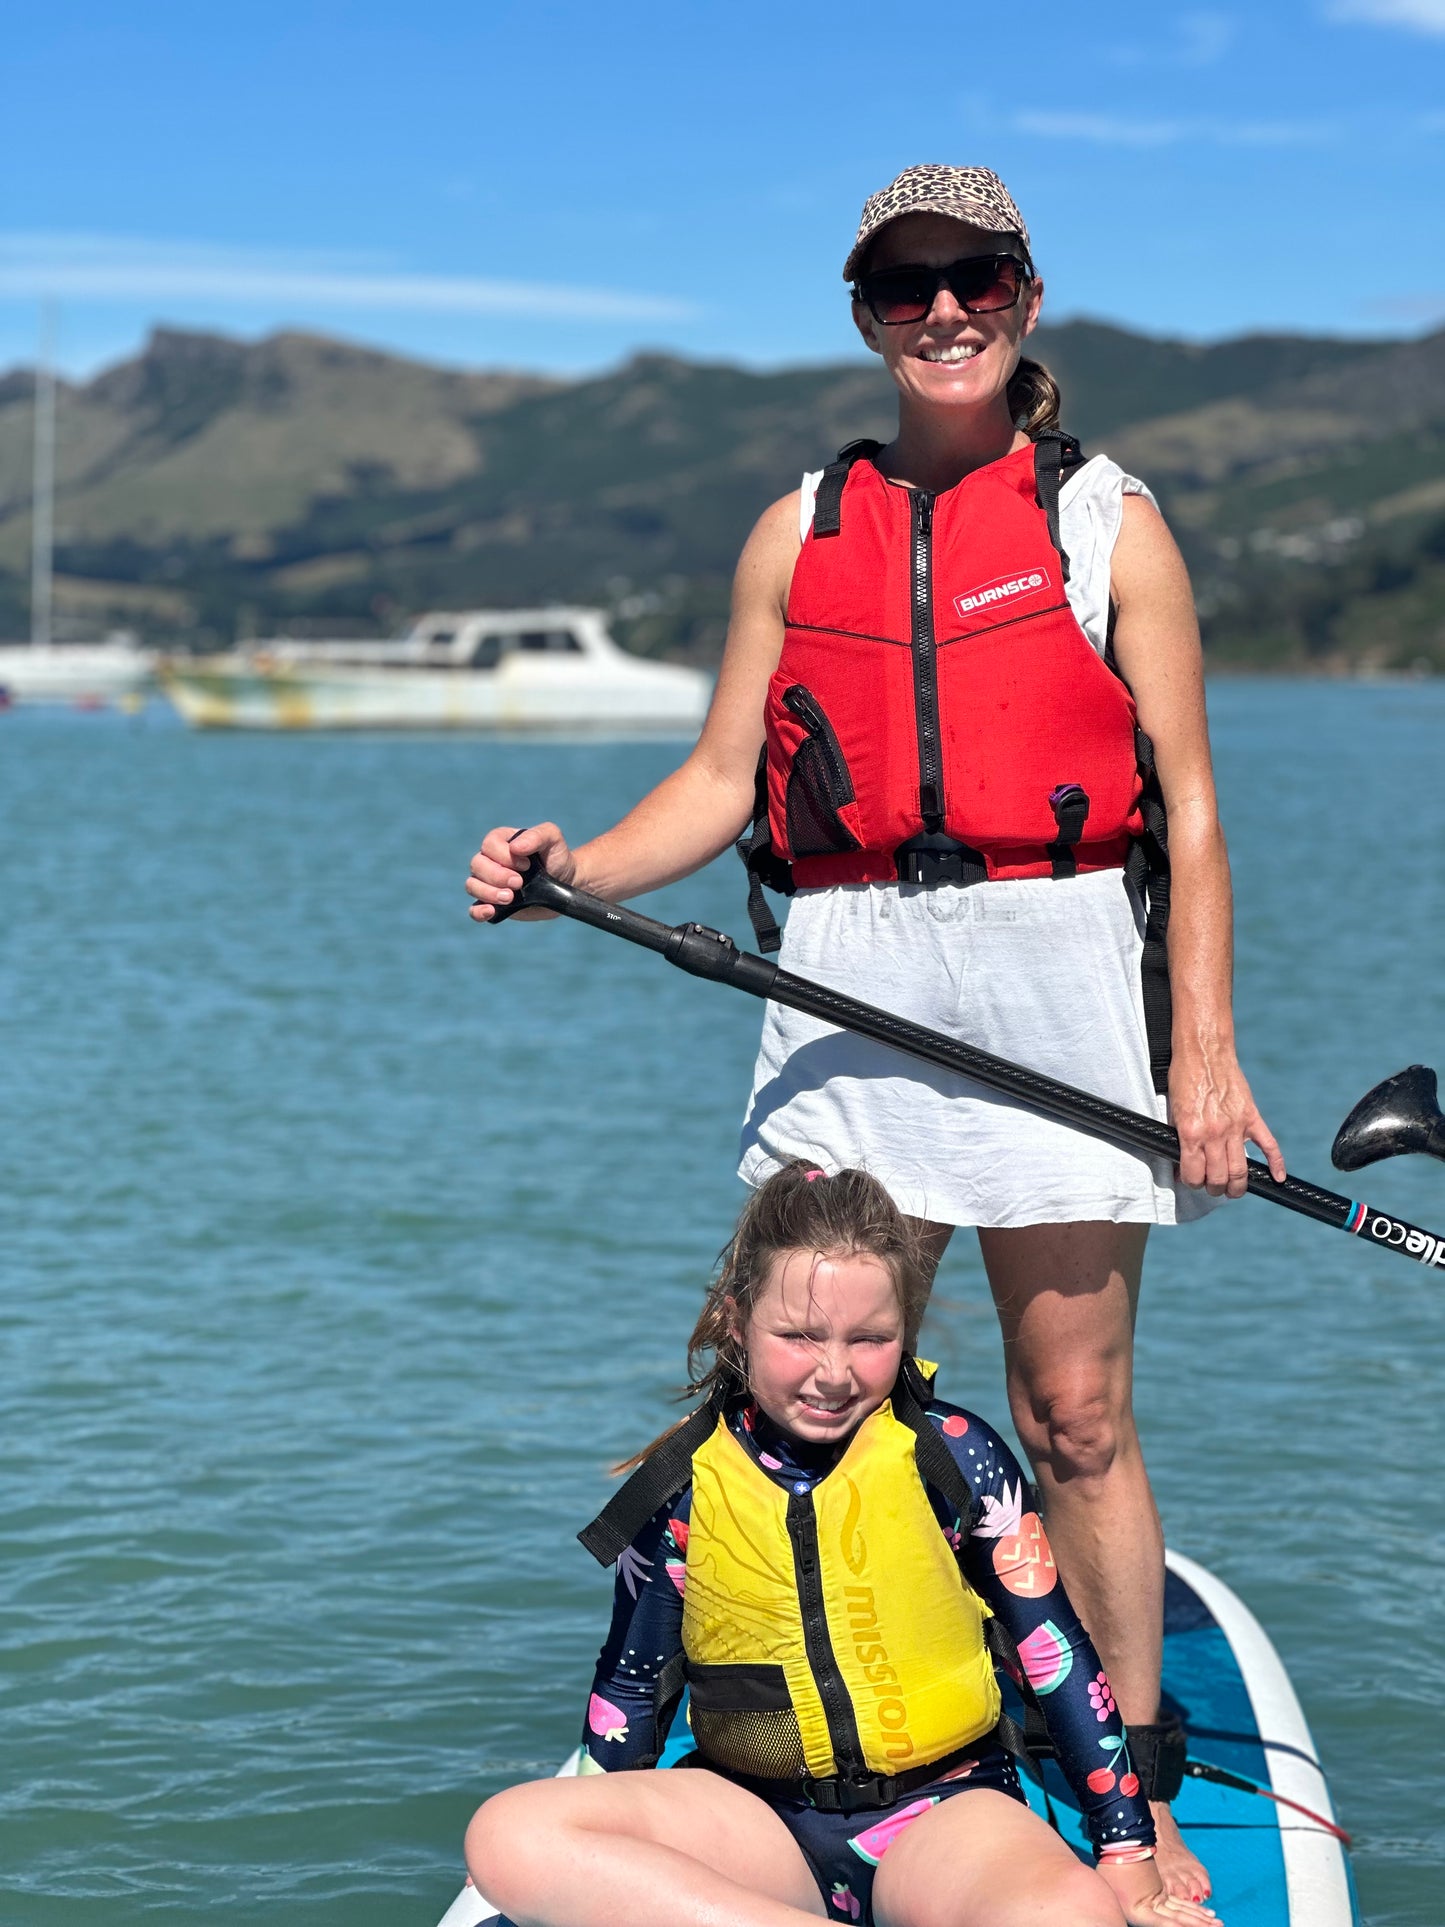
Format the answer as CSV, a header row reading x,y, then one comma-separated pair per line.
x,y
817,1553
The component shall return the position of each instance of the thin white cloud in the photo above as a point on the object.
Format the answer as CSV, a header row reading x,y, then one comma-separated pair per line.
x,y
110,268
1415,16
1195,40
1118,130
1205,38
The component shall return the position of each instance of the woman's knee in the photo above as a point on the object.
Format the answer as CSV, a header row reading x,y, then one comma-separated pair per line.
x,y
1077,1426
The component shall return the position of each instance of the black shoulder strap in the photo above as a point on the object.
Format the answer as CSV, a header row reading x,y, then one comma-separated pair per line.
x,y
660,1477
1053,453
936,1464
828,503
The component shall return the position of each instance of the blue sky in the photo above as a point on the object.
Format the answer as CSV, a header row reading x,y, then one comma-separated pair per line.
x,y
553,185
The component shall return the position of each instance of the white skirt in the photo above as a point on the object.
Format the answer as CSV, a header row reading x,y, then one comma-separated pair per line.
x,y
1041,971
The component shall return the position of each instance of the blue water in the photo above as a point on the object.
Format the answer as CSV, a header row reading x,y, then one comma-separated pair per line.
x,y
344,1242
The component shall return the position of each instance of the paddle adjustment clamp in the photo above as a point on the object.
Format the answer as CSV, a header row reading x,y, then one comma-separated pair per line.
x,y
704,952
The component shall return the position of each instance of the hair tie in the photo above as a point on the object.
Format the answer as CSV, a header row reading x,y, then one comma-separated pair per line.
x,y
808,1176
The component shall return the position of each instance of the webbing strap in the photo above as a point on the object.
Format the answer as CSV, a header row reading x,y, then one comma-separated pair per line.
x,y
765,925
1070,805
1053,452
668,1691
936,1464
660,1477
828,503
867,1793
763,864
1032,1742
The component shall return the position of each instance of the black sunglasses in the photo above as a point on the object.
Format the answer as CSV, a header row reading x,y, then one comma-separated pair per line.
x,y
979,283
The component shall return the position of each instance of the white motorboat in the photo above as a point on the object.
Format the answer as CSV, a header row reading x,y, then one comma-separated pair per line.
x,y
518,669
86,673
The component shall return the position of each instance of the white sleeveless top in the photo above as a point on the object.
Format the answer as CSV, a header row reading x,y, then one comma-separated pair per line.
x,y
1041,971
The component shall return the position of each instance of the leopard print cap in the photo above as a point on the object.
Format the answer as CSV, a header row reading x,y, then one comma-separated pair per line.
x,y
972,194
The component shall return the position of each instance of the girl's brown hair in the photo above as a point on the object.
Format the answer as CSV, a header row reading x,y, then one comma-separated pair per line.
x,y
799,1208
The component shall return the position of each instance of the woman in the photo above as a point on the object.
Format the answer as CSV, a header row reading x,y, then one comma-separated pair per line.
x,y
818,1552
946,645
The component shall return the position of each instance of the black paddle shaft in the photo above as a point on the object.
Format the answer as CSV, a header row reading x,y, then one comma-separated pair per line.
x,y
709,953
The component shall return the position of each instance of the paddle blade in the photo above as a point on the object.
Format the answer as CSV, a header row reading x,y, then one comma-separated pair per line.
x,y
1398,1116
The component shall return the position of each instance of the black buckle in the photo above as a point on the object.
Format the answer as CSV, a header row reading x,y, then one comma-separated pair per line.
x,y
851,1796
1070,805
933,860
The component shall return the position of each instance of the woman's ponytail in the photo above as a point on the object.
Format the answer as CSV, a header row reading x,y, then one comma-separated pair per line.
x,y
1033,398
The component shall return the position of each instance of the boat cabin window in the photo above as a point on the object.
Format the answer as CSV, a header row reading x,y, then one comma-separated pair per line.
x,y
490,650
441,638
553,641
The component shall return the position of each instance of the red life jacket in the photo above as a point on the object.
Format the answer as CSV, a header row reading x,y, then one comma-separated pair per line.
x,y
937,715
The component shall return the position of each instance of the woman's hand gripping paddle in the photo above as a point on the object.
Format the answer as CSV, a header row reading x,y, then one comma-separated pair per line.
x,y
709,953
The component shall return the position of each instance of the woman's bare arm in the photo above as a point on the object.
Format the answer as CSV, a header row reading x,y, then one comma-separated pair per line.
x,y
1156,642
704,805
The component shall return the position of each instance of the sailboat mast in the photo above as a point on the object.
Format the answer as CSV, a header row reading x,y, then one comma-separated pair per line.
x,y
42,492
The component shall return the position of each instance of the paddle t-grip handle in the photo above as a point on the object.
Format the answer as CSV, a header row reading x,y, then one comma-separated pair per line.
x,y
538,891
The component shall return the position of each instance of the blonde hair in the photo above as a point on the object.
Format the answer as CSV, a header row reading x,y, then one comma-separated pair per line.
x,y
799,1208
1034,400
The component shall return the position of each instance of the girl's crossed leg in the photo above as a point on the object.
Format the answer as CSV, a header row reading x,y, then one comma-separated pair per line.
x,y
690,1849
674,1849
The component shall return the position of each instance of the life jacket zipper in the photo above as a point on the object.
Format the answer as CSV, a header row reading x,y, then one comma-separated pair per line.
x,y
817,1641
925,665
805,707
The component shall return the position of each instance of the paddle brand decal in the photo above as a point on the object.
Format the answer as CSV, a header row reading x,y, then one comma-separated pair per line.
x,y
1390,1231
1003,588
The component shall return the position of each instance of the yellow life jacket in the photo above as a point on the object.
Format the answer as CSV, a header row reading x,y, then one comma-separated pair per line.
x,y
829,1632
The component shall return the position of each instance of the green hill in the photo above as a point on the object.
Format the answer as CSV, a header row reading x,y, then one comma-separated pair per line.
x,y
210,487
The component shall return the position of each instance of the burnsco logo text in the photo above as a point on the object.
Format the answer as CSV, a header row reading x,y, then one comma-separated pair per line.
x,y
1004,588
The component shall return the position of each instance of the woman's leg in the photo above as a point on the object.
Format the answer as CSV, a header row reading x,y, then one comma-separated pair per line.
x,y
934,1238
984,1860
678,1849
1067,1296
